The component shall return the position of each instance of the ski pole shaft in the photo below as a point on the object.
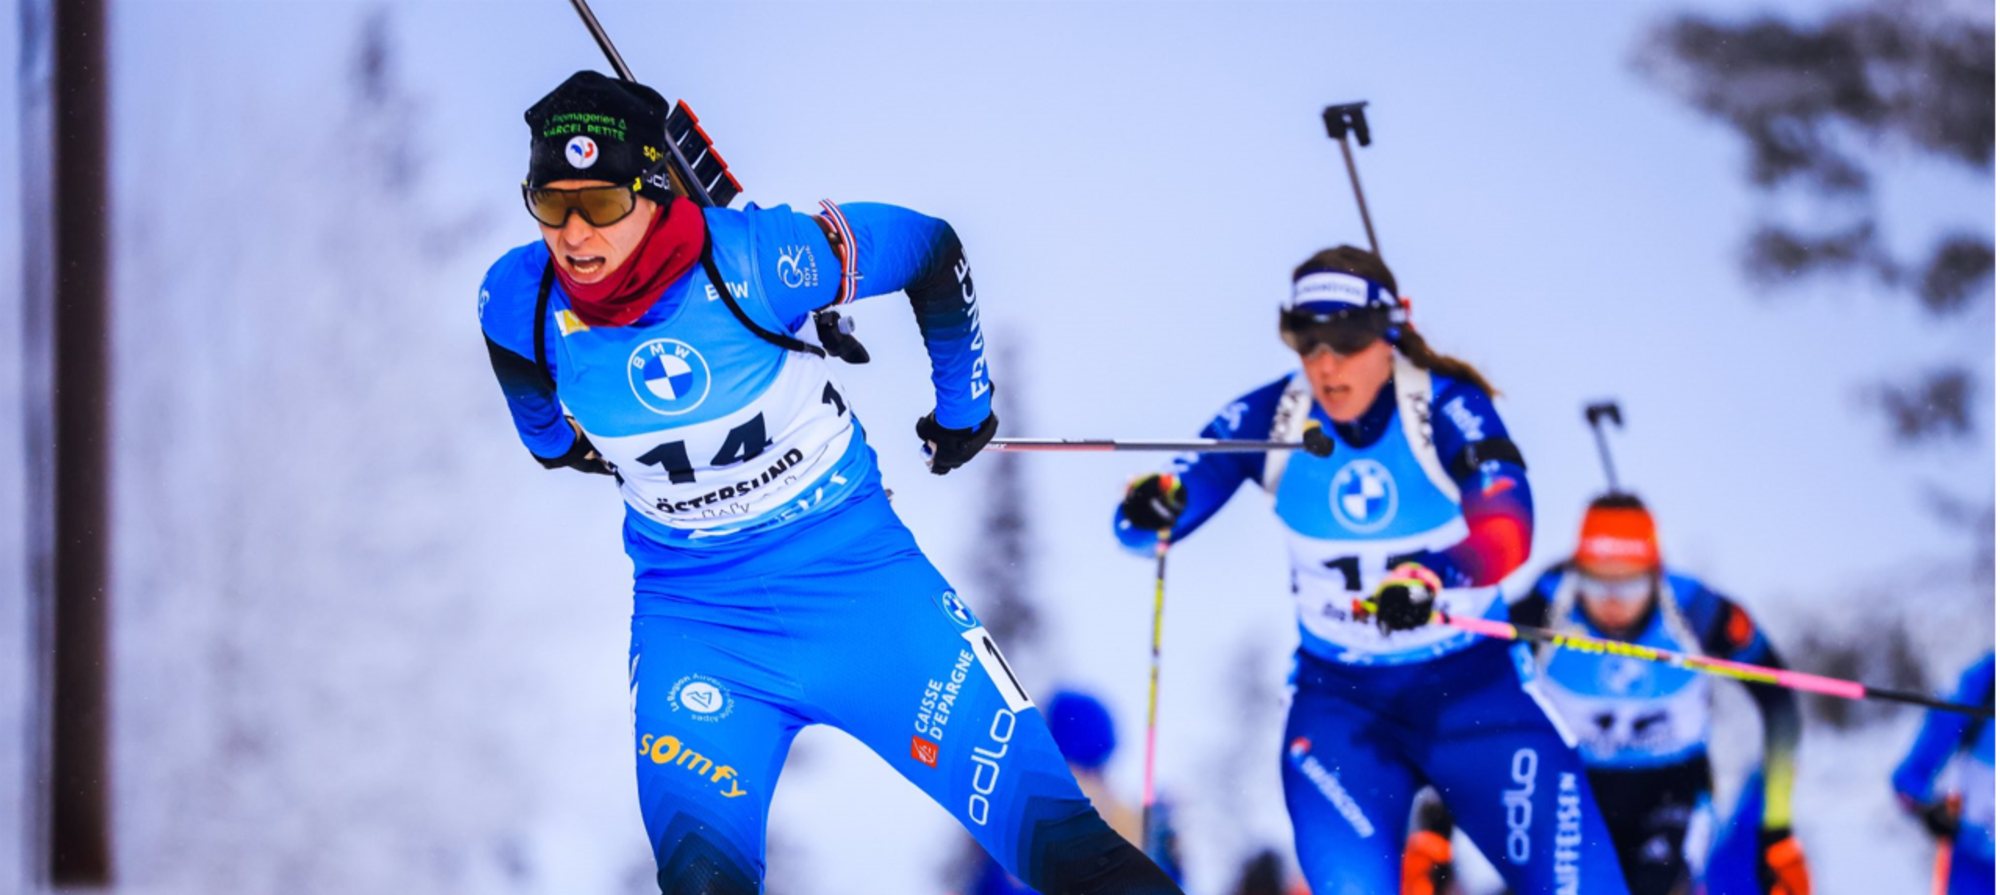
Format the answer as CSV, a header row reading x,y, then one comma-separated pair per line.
x,y
1198,445
1756,674
1354,176
1595,415
1604,456
603,39
1153,687
693,187
1341,119
1941,864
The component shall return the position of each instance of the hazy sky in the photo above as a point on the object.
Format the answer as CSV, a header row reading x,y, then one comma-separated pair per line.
x,y
1133,183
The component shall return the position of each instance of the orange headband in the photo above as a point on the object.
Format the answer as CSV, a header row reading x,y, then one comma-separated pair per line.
x,y
1617,541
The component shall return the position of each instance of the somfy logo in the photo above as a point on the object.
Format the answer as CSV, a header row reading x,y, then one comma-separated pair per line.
x,y
668,749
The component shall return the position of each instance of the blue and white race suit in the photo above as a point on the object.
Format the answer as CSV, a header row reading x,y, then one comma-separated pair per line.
x,y
1643,729
1377,716
765,552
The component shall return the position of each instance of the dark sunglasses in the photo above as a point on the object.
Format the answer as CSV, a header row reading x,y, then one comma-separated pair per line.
x,y
1342,332
601,206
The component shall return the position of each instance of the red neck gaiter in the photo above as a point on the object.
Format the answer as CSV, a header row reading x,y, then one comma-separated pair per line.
x,y
671,246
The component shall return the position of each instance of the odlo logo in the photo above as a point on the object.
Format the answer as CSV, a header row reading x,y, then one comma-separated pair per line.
x,y
668,749
986,767
1520,802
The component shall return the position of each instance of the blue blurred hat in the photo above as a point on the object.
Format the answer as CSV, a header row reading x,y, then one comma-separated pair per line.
x,y
1083,729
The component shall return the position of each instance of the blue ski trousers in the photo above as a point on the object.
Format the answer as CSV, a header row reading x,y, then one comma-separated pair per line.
x,y
841,621
1361,740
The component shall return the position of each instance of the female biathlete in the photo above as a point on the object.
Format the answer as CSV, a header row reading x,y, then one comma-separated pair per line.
x,y
1424,504
774,588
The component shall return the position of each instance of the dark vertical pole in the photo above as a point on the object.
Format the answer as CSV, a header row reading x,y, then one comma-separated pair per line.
x,y
1354,177
68,271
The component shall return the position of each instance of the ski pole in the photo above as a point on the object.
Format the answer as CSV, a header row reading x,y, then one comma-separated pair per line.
x,y
1315,442
1941,864
1756,674
1339,120
703,175
1595,414
603,39
1153,685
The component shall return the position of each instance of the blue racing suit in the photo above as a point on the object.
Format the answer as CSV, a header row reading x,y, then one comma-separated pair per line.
x,y
1426,474
1951,738
1643,728
773,585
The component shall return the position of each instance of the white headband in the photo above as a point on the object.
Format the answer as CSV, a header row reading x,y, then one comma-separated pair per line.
x,y
1340,288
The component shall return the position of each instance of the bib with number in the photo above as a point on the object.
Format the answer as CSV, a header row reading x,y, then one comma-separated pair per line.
x,y
1629,713
1355,515
712,429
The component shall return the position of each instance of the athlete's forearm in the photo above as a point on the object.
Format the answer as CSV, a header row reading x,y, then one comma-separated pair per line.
x,y
1936,741
538,416
899,249
1499,514
947,312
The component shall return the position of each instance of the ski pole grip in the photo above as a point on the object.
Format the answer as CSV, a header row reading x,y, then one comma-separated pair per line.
x,y
1603,410
1343,117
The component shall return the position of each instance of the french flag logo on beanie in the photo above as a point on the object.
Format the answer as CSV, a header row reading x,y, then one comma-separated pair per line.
x,y
581,152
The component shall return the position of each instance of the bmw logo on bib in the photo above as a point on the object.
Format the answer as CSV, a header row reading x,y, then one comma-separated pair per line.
x,y
1364,496
668,376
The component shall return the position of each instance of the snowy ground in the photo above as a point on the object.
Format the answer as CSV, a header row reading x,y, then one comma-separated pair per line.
x,y
364,644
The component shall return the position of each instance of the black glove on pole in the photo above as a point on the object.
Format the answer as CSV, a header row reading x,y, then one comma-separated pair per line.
x,y
1404,600
1155,502
948,449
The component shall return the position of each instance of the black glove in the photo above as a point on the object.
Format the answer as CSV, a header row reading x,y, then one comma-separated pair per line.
x,y
948,449
1155,502
1404,600
1938,817
582,456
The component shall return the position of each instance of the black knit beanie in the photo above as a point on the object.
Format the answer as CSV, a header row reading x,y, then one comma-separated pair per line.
x,y
599,128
